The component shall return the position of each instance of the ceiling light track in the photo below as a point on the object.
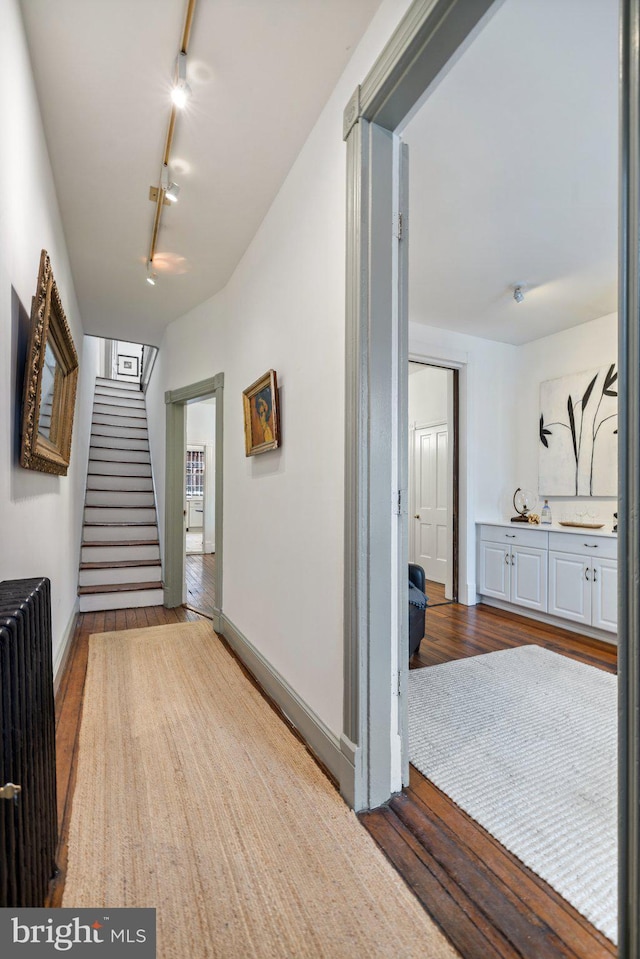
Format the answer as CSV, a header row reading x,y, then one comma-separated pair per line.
x,y
166,188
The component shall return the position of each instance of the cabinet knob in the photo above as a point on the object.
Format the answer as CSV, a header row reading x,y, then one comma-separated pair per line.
x,y
417,516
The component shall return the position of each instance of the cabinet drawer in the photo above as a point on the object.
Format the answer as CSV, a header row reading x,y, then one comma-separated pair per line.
x,y
598,547
520,534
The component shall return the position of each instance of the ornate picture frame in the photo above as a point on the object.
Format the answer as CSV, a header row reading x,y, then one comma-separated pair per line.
x,y
261,415
51,377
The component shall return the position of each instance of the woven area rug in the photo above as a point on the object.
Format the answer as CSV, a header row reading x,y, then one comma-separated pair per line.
x,y
192,796
524,740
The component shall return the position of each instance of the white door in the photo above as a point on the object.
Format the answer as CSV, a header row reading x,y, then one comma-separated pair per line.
x,y
495,570
529,577
431,501
570,587
604,594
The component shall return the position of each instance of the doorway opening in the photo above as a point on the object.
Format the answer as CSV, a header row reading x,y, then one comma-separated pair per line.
x,y
199,506
193,499
433,479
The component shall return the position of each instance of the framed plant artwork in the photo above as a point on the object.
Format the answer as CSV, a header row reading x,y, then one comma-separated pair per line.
x,y
261,415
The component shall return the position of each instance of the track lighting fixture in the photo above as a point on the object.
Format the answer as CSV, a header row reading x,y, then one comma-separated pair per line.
x,y
172,192
151,276
181,90
518,294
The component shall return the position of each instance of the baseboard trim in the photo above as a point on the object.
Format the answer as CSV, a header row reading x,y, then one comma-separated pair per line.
x,y
60,661
320,740
550,620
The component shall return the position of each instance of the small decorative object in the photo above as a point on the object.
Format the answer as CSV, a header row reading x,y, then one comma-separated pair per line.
x,y
523,501
534,519
261,415
567,522
127,365
50,381
545,516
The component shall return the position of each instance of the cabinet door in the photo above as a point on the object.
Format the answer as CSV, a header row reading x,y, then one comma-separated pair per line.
x,y
529,577
494,570
604,594
570,586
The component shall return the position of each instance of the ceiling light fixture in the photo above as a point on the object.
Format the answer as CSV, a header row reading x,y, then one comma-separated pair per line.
x,y
518,294
172,192
151,276
181,90
167,192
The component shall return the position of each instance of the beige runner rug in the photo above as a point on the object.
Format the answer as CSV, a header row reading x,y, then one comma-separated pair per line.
x,y
192,796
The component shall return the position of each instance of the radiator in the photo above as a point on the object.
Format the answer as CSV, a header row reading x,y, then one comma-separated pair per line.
x,y
28,823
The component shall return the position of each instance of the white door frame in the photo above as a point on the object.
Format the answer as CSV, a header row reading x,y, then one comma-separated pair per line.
x,y
429,37
174,526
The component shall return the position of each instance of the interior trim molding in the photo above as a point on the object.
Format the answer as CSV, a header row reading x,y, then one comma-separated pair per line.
x,y
318,737
174,528
62,655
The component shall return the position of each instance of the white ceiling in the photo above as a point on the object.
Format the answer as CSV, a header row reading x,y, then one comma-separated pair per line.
x,y
513,176
260,70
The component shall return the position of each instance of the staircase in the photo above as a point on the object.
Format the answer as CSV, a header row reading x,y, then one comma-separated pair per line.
x,y
120,556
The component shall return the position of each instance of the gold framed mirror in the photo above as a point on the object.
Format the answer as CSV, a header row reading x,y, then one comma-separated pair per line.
x,y
50,382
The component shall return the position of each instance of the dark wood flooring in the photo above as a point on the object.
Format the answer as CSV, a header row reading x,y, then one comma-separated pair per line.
x,y
199,575
435,593
487,903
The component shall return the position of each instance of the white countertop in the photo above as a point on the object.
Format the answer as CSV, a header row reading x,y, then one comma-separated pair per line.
x,y
551,528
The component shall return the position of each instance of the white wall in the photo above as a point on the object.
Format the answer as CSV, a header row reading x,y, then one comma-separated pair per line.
x,y
584,347
41,514
487,430
284,308
428,391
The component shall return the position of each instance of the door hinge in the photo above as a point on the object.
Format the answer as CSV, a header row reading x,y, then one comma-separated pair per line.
x,y
400,502
397,225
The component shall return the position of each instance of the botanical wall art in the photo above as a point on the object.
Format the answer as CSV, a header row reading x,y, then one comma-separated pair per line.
x,y
127,365
261,415
50,381
579,434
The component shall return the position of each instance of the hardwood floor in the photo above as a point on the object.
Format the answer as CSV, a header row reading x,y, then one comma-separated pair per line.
x,y
199,574
69,709
488,904
435,593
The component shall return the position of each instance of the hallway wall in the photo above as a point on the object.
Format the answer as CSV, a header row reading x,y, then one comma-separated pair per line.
x,y
41,514
284,308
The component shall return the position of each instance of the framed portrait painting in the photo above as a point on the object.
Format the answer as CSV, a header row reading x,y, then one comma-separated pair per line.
x,y
261,415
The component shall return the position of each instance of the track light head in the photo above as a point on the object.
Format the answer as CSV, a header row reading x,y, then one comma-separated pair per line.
x,y
172,192
181,90
518,294
151,276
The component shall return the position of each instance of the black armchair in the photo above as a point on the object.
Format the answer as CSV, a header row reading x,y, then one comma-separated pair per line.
x,y
417,607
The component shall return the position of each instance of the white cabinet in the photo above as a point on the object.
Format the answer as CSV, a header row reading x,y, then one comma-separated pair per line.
x,y
583,580
195,514
513,566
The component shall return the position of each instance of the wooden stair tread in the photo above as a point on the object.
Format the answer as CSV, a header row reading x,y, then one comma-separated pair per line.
x,y
148,523
101,489
121,564
119,588
123,542
106,506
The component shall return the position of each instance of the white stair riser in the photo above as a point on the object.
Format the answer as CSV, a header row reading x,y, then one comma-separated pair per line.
x,y
117,554
123,396
117,385
93,602
119,482
131,498
102,454
117,442
109,426
99,514
117,422
133,401
137,413
120,574
112,534
99,467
